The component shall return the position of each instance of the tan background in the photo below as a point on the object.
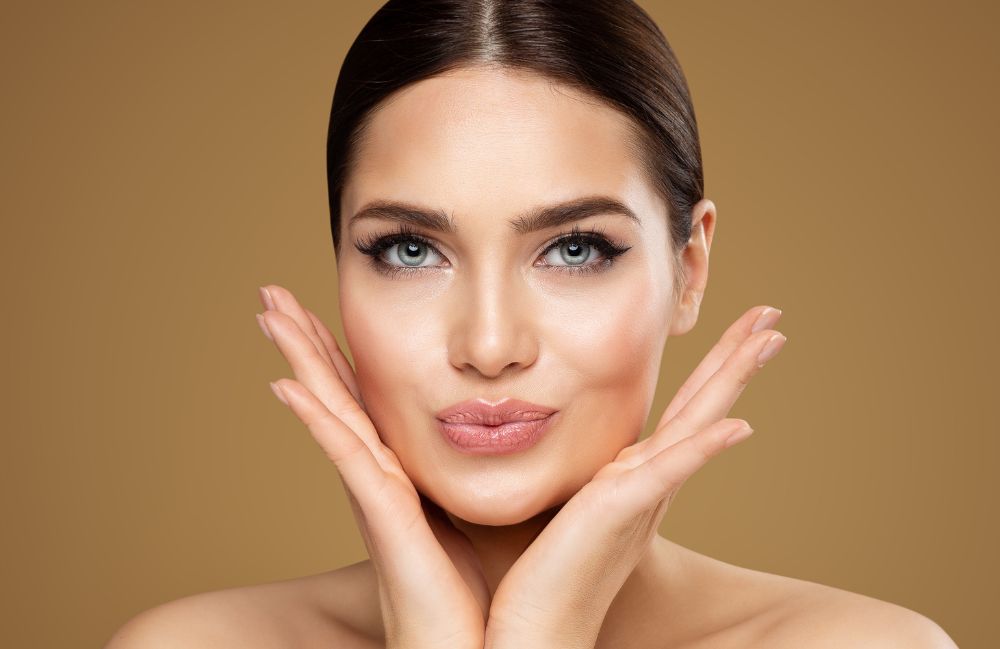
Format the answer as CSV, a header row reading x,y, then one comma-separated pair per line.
x,y
162,160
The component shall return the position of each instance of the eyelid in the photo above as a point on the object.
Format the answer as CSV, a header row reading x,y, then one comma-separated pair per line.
x,y
383,242
374,245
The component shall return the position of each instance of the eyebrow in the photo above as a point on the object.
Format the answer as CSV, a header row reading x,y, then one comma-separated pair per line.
x,y
538,218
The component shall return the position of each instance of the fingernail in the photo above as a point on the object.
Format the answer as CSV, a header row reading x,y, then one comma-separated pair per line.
x,y
278,393
263,327
774,344
767,319
739,435
265,297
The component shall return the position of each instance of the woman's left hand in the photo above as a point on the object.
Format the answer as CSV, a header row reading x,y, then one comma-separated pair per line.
x,y
558,592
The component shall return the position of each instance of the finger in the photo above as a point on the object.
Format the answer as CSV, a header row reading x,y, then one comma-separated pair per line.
x,y
731,339
394,528
275,297
319,376
366,480
662,475
716,397
343,366
352,456
758,317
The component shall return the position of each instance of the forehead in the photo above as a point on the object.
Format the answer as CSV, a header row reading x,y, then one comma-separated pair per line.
x,y
491,142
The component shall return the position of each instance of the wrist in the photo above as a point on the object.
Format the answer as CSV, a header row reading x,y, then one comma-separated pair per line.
x,y
431,639
567,636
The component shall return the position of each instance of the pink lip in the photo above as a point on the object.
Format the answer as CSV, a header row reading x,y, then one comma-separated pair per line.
x,y
483,428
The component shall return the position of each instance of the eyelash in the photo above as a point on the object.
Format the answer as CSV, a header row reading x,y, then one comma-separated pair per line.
x,y
374,245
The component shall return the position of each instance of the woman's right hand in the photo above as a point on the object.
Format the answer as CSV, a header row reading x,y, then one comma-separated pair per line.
x,y
431,587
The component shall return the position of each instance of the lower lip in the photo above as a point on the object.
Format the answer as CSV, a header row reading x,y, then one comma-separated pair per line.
x,y
512,437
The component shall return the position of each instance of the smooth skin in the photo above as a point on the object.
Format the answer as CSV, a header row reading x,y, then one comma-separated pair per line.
x,y
677,599
559,590
555,546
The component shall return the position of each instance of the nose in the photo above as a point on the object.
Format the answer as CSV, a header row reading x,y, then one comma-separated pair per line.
x,y
492,327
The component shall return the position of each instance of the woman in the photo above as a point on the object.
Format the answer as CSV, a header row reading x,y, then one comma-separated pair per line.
x,y
518,217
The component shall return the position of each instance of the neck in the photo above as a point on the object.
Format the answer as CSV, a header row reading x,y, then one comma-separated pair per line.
x,y
653,584
498,547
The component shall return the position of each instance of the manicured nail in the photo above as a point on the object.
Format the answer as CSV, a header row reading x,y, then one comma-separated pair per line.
x,y
263,327
739,435
278,393
265,297
774,344
767,319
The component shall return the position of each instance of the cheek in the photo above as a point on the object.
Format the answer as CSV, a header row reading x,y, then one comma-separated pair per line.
x,y
612,340
396,345
606,352
599,343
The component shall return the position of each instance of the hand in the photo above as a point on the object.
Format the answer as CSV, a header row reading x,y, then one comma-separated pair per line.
x,y
431,586
558,592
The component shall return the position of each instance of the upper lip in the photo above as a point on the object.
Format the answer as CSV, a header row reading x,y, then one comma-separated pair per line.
x,y
483,412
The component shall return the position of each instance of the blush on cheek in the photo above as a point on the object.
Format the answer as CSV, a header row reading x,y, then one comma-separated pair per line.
x,y
394,351
609,353
610,336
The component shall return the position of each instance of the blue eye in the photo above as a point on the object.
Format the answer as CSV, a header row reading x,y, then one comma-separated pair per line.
x,y
410,252
407,250
576,249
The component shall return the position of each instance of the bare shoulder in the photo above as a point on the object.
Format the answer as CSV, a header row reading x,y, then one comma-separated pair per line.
x,y
809,615
742,607
322,610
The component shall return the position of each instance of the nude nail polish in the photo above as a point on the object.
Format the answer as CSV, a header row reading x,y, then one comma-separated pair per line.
x,y
263,327
741,434
265,298
767,319
278,393
773,346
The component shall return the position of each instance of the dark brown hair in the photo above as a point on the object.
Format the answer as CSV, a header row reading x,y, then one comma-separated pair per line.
x,y
609,49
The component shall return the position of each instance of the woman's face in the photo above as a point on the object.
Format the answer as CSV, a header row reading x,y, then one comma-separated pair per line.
x,y
492,309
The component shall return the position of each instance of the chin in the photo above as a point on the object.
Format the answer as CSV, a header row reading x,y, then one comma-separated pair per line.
x,y
497,507
499,514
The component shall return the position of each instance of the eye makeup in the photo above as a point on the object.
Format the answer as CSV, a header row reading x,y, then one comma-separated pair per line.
x,y
374,245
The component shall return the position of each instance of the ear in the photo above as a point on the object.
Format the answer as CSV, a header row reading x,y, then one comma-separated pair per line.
x,y
694,259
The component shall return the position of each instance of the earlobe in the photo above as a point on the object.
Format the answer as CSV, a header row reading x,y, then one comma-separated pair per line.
x,y
686,313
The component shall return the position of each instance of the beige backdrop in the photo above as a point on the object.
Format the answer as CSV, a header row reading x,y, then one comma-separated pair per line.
x,y
160,160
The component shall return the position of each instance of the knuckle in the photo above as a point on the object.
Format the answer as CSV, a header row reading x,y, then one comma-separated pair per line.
x,y
352,414
348,454
701,447
630,452
665,483
322,425
682,418
739,375
743,378
352,408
